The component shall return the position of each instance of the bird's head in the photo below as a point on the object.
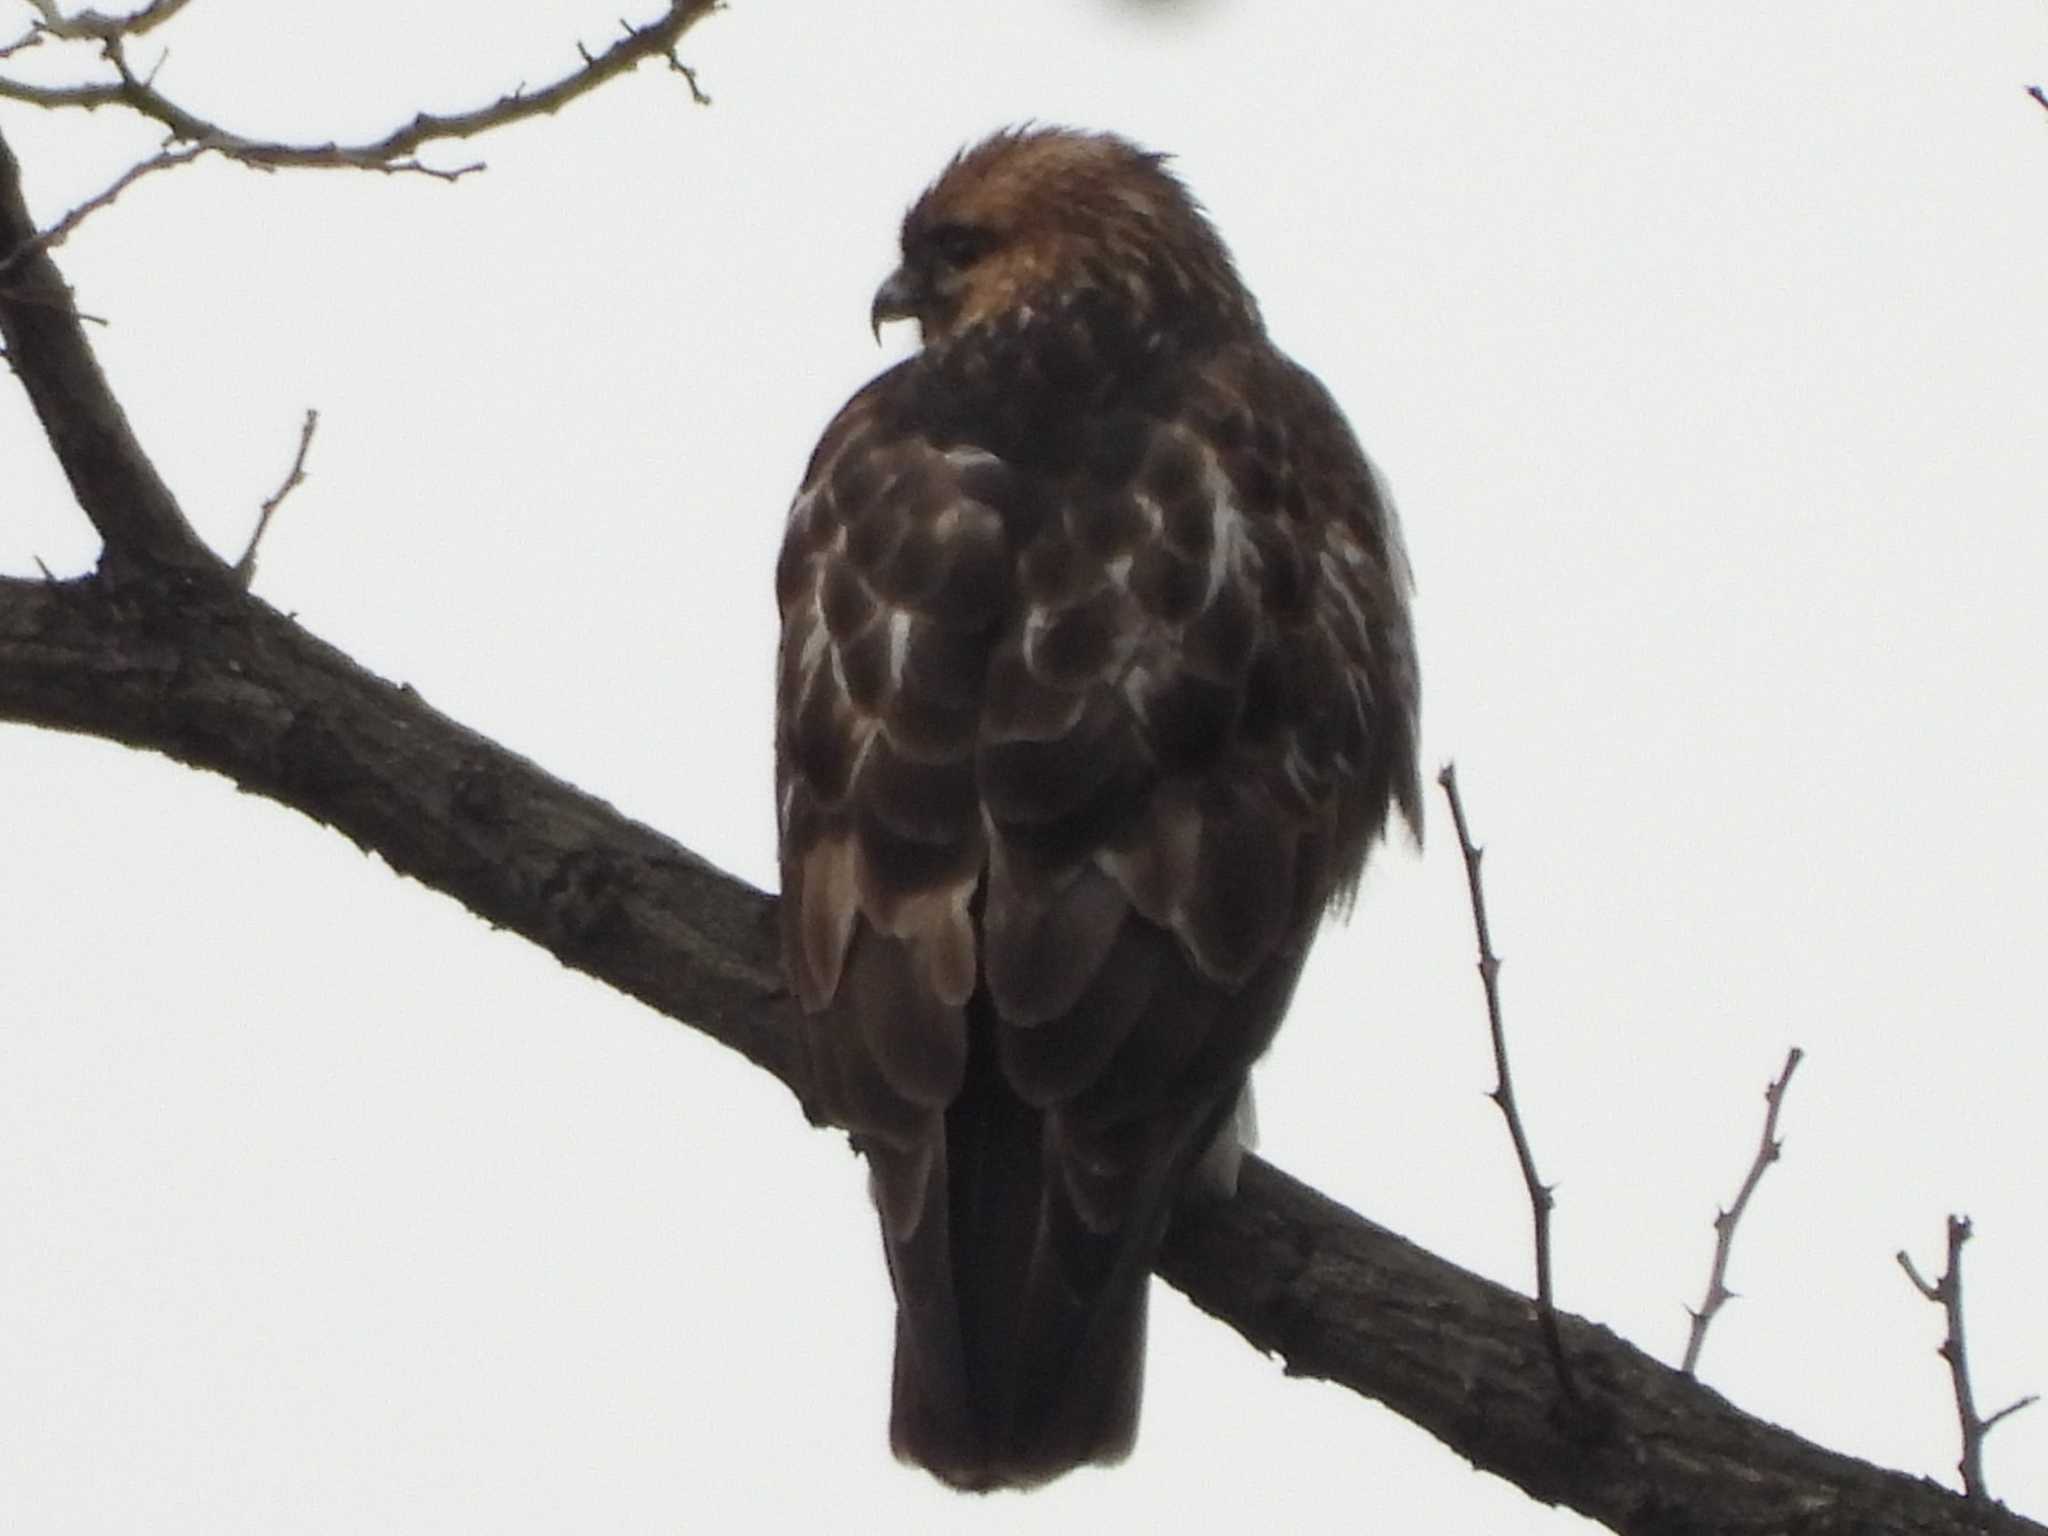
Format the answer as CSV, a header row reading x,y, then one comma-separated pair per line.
x,y
1033,222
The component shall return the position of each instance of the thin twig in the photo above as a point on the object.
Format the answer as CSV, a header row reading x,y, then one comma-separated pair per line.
x,y
2039,95
60,231
245,568
1947,1293
1767,1152
99,26
697,93
1540,1194
397,150
394,154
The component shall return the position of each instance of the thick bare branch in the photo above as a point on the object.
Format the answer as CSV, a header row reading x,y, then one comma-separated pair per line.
x,y
112,477
1768,1151
220,680
215,678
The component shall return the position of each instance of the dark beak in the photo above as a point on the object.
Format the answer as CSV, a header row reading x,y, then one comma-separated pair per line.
x,y
896,299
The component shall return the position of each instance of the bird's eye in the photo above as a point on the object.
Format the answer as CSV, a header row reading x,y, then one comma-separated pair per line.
x,y
959,245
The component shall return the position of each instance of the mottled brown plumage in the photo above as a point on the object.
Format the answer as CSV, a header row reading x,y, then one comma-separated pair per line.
x,y
1096,686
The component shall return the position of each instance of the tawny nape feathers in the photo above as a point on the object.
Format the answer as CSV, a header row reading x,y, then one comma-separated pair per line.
x,y
1096,686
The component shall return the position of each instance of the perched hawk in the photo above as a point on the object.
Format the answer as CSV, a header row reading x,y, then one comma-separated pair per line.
x,y
1096,686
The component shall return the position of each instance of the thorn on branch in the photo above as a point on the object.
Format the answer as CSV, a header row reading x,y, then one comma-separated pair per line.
x,y
2039,95
1769,1148
1947,1293
244,570
1541,1198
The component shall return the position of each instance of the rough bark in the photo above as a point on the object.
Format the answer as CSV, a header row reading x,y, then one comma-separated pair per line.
x,y
202,672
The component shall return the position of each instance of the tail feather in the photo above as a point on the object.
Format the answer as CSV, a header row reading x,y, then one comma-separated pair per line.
x,y
1019,1344
1020,1222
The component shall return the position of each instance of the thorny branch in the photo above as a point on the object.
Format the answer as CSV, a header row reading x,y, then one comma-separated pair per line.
x,y
1947,1293
1768,1151
1541,1197
245,568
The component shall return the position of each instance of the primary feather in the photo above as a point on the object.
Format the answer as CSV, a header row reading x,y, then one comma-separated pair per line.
x,y
1096,686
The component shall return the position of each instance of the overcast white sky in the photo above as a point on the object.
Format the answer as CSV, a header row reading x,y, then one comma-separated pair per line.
x,y
1704,348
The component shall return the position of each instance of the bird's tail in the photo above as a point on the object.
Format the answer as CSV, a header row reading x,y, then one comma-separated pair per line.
x,y
1021,1219
1020,1331
1021,1252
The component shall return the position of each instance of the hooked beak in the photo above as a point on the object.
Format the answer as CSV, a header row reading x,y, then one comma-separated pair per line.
x,y
896,299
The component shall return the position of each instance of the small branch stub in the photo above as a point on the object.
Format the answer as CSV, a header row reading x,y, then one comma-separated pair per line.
x,y
1947,1293
1541,1198
1768,1151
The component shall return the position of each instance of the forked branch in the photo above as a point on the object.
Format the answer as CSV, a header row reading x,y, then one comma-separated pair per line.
x,y
396,151
1947,1293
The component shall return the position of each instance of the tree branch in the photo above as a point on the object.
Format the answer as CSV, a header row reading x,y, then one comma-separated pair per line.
x,y
101,26
1947,1293
220,680
245,568
112,478
49,239
174,657
1769,1150
1341,1299
395,150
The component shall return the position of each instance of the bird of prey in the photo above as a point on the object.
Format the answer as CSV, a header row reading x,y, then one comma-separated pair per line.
x,y
1096,685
